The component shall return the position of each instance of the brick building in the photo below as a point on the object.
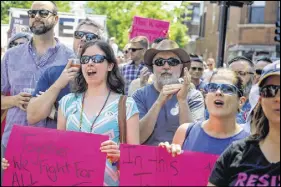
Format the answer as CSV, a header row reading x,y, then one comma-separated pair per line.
x,y
250,30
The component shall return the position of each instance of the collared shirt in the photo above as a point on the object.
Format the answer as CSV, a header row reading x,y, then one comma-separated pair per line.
x,y
130,72
19,66
168,119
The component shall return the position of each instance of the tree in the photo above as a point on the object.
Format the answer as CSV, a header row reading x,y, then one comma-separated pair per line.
x,y
120,15
63,6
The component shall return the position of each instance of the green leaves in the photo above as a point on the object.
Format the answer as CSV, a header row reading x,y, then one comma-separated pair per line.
x,y
120,16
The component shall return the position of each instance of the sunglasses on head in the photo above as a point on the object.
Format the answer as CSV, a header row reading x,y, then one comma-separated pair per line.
x,y
97,59
42,13
243,73
269,91
170,61
89,36
195,69
225,88
134,49
258,71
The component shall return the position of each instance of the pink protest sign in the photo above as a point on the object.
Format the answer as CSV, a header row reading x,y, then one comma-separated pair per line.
x,y
154,166
151,28
48,157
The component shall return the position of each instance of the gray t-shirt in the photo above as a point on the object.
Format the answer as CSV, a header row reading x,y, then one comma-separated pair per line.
x,y
168,118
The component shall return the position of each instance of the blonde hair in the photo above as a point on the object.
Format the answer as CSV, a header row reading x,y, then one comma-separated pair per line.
x,y
141,40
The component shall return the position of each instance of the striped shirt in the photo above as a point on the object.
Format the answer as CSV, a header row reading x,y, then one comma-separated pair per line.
x,y
168,119
130,72
106,124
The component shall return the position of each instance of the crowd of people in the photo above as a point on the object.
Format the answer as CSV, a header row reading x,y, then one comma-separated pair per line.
x,y
173,99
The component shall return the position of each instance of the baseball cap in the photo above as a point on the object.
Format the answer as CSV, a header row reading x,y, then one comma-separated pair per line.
x,y
268,71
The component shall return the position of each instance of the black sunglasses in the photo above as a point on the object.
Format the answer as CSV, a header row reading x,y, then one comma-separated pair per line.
x,y
89,36
195,69
14,44
225,88
42,13
269,91
170,61
243,73
97,59
126,52
258,71
134,49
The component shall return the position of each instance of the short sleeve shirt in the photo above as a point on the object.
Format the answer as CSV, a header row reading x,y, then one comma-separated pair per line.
x,y
168,119
244,164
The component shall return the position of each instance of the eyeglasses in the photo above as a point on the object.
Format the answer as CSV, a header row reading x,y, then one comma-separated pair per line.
x,y
225,88
269,91
196,69
171,61
126,52
134,49
97,59
42,13
243,73
89,36
258,71
14,44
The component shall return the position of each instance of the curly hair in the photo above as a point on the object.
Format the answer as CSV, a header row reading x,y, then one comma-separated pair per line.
x,y
115,81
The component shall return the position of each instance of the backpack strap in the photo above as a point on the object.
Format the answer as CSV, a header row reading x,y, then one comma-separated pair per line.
x,y
122,121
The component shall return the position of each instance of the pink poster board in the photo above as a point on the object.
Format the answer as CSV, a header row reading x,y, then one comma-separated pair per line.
x,y
151,28
154,166
48,157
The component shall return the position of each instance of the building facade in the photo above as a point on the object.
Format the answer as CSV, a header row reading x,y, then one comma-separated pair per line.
x,y
250,30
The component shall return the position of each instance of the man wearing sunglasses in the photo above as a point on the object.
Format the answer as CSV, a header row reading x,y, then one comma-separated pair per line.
x,y
21,64
260,64
169,101
54,84
196,71
132,70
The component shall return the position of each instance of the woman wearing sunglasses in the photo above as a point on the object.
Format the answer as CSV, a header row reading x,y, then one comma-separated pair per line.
x,y
93,107
223,100
255,161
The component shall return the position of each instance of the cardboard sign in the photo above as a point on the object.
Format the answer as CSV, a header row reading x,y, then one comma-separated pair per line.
x,y
151,28
48,157
154,166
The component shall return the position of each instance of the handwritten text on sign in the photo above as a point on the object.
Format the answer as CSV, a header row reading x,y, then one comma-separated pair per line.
x,y
47,157
154,166
151,28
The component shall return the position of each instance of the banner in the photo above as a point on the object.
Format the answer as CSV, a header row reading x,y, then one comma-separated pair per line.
x,y
48,157
151,28
154,166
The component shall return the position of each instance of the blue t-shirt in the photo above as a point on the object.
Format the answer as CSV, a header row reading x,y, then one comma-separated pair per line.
x,y
168,119
199,141
48,78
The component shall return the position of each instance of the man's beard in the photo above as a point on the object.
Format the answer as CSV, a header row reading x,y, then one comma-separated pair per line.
x,y
42,29
167,79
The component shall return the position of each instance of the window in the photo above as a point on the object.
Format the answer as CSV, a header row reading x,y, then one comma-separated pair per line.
x,y
257,12
196,14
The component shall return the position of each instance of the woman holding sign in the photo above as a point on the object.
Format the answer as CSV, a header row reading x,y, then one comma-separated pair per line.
x,y
224,97
255,161
93,105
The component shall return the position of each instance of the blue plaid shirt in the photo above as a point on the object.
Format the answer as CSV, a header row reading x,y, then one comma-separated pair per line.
x,y
130,72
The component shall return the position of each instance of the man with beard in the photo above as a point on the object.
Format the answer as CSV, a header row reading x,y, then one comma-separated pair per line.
x,y
244,68
54,84
22,64
169,101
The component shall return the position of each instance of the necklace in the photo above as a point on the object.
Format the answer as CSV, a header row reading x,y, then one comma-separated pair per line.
x,y
81,115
